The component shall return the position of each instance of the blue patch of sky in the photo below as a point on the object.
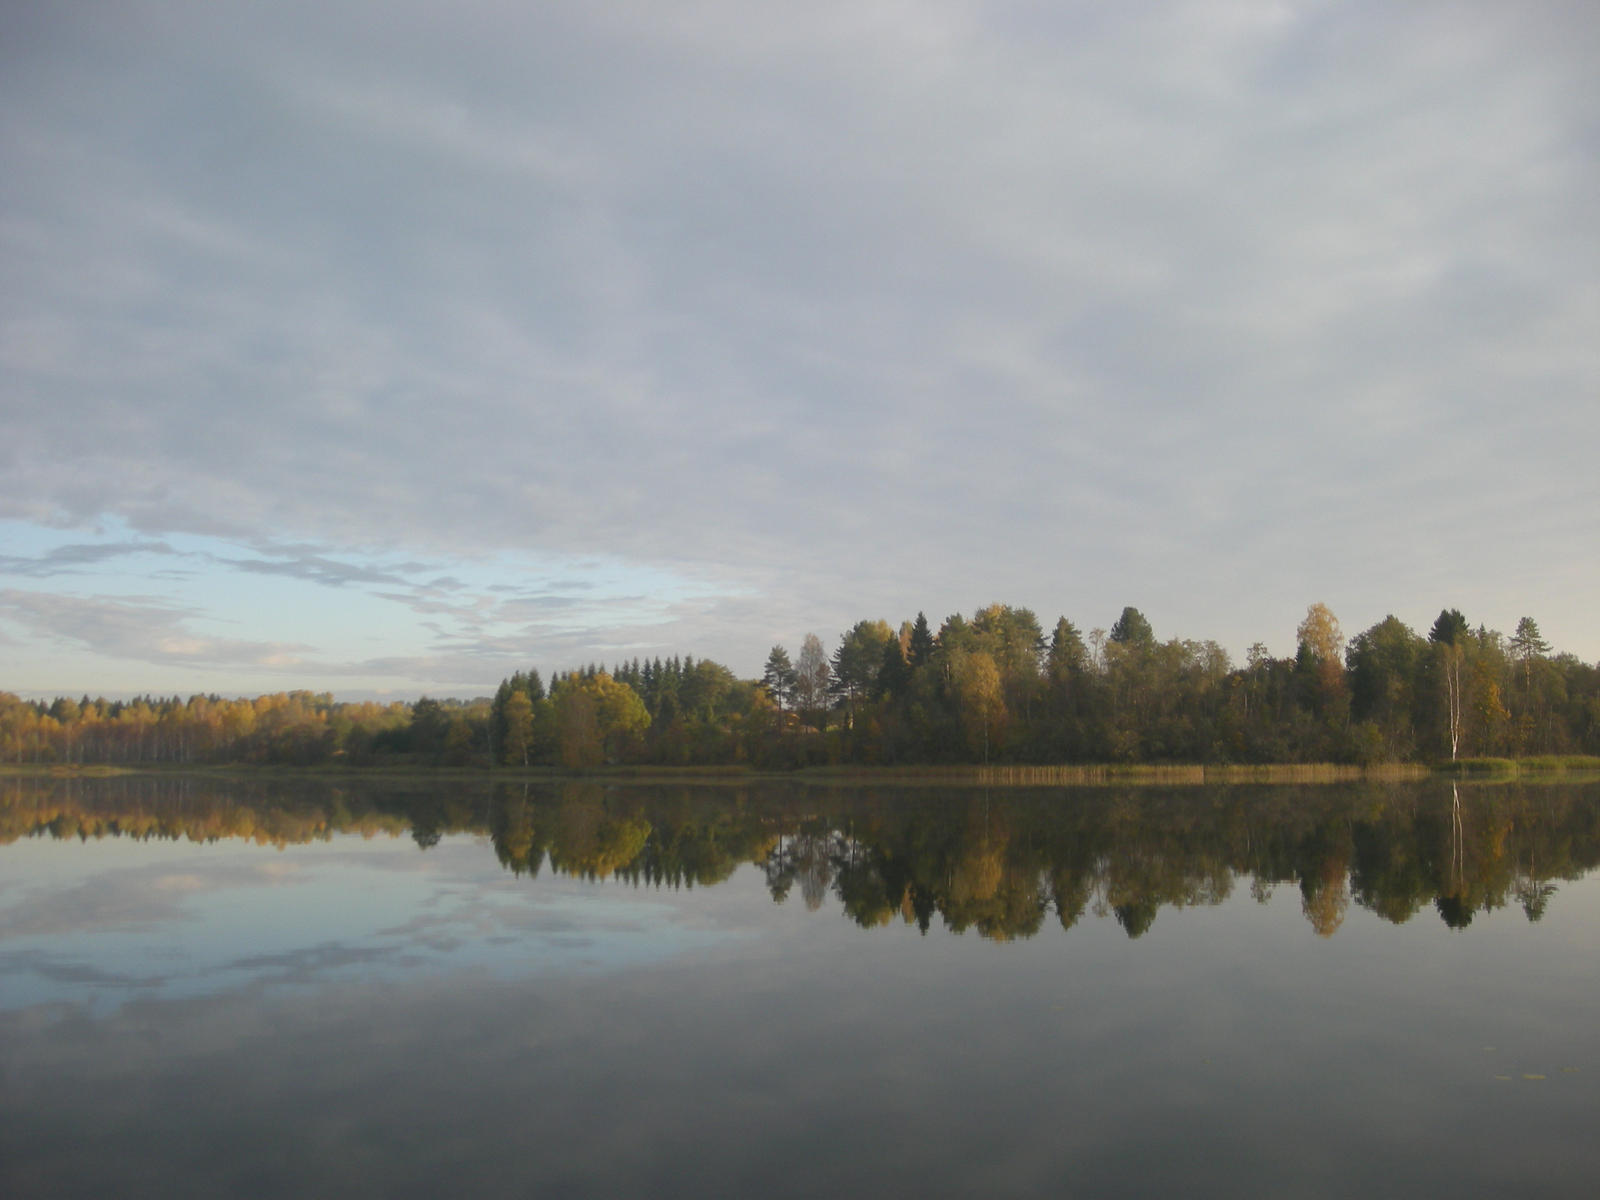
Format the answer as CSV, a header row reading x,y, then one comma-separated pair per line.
x,y
513,594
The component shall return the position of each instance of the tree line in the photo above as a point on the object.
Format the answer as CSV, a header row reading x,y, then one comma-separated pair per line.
x,y
991,687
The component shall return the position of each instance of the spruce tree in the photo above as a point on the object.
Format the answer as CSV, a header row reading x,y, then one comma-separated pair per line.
x,y
921,648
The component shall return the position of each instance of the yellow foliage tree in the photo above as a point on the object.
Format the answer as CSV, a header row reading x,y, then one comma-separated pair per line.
x,y
596,719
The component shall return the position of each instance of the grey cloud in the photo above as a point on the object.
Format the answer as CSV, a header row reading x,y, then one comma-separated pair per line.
x,y
420,603
313,569
541,603
538,606
501,627
466,613
145,628
862,304
70,559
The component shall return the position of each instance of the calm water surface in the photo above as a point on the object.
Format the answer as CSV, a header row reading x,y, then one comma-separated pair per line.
x,y
295,989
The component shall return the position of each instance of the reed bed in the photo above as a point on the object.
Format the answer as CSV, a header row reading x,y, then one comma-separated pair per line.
x,y
1198,773
1090,775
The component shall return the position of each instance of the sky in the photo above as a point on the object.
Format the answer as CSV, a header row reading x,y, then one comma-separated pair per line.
x,y
387,348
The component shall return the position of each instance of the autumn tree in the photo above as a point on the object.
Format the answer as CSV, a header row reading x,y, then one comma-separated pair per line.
x,y
1012,638
1489,717
1319,670
518,730
596,719
981,698
811,679
1320,634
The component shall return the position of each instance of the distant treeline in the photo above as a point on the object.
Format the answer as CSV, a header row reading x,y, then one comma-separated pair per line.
x,y
992,688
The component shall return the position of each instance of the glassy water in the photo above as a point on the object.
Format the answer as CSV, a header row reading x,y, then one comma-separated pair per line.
x,y
291,988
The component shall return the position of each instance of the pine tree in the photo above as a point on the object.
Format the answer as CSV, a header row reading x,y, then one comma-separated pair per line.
x,y
779,677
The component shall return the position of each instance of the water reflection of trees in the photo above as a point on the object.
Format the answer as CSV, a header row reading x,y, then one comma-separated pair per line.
x,y
999,863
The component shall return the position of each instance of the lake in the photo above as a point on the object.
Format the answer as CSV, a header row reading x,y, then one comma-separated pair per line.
x,y
277,986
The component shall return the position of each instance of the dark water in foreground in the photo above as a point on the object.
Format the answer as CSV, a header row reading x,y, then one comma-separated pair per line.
x,y
291,989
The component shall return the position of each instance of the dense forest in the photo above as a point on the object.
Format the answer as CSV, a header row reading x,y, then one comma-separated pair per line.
x,y
998,864
990,688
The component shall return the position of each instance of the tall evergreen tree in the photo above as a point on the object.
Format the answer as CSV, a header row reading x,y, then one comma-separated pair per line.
x,y
1067,652
894,672
779,677
1449,628
922,644
1133,629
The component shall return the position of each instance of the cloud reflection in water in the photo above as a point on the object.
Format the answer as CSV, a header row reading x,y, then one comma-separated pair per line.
x,y
178,919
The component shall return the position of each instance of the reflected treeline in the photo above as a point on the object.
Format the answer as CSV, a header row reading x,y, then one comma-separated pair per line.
x,y
1001,863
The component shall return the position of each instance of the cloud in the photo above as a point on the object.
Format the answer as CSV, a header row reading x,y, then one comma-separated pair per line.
x,y
144,628
71,559
473,611
313,568
865,306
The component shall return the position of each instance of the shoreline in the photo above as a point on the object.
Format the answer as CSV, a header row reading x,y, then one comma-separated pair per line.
x,y
1003,775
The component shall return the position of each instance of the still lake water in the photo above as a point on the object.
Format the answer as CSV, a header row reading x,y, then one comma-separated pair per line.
x,y
291,988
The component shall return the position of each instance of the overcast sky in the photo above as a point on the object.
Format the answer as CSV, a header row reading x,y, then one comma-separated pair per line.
x,y
390,347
